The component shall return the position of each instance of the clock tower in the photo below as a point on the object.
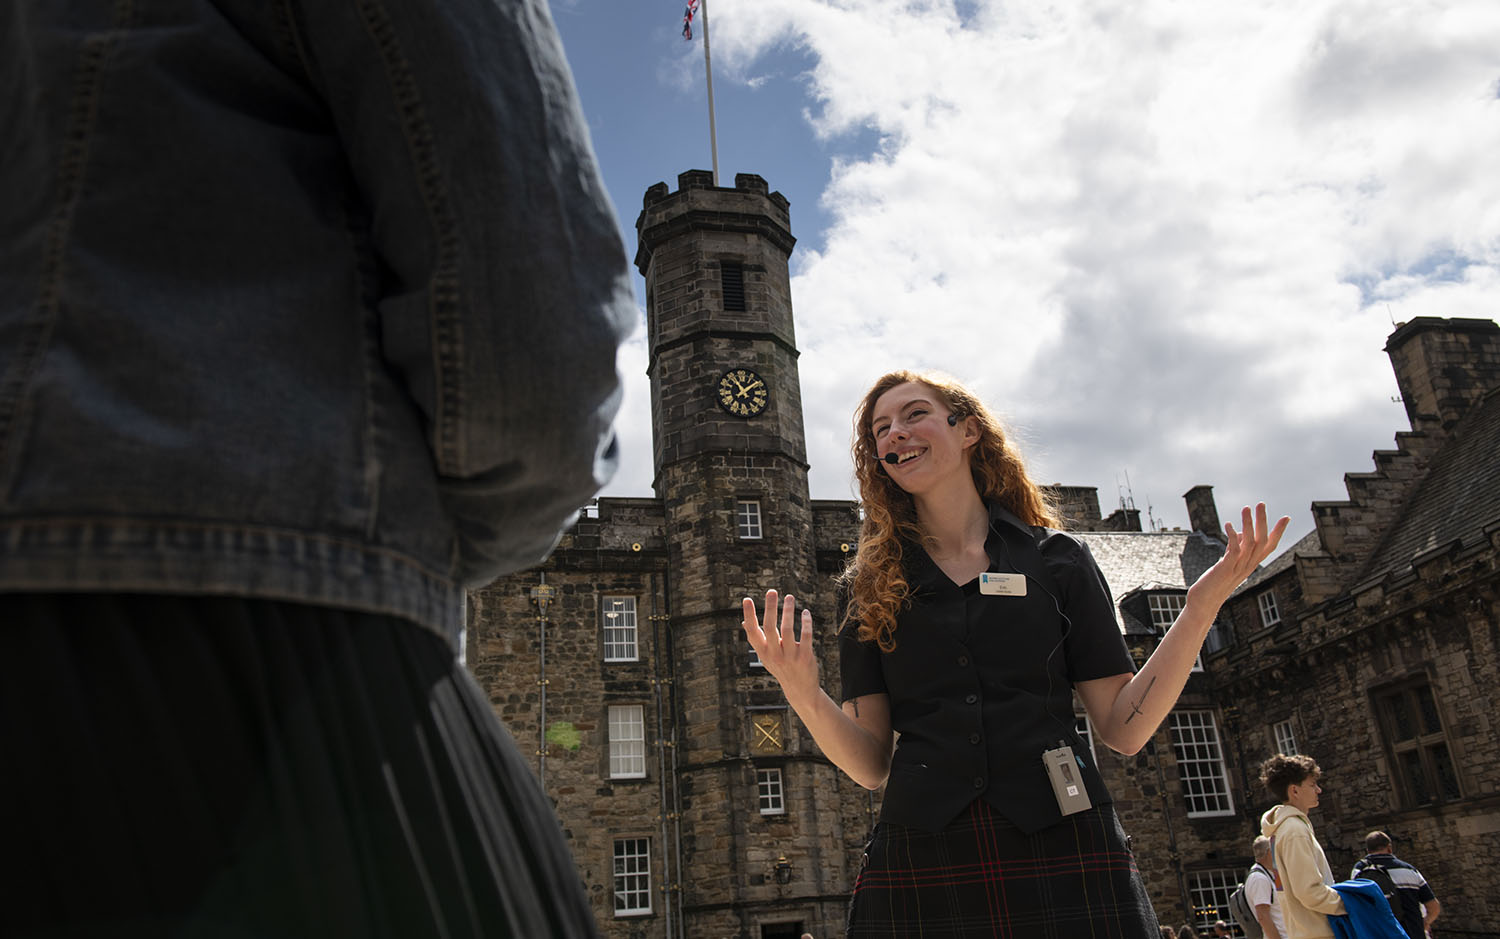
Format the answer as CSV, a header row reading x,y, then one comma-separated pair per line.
x,y
759,803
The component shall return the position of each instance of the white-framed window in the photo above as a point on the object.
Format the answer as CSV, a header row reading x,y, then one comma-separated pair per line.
x,y
768,785
632,876
755,661
1269,614
1286,738
1200,763
620,630
1086,731
1165,608
1210,892
747,518
627,741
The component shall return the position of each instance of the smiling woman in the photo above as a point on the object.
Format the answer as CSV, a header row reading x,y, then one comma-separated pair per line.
x,y
967,623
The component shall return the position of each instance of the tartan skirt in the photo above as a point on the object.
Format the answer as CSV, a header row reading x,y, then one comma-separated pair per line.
x,y
982,876
227,768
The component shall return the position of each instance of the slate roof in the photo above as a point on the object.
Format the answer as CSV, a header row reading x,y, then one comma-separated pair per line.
x,y
1132,560
1459,497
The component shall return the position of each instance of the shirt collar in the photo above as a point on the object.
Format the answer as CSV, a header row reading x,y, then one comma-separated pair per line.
x,y
999,514
924,572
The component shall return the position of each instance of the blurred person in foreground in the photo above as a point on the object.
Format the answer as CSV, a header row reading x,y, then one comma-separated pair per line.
x,y
308,322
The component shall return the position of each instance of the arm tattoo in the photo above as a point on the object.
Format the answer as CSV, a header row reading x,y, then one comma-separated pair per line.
x,y
855,705
1136,707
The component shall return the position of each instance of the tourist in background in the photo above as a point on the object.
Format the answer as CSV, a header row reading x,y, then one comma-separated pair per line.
x,y
1307,896
1416,906
1261,891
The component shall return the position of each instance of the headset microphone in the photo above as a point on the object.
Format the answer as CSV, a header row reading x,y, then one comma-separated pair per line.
x,y
892,459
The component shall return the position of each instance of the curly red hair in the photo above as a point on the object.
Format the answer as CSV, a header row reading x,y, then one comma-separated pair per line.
x,y
875,581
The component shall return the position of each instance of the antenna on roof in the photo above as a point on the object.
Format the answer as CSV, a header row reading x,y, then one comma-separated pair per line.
x,y
1152,522
1127,498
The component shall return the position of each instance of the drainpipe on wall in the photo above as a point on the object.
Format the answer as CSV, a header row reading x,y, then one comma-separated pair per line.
x,y
661,756
542,595
671,658
1166,812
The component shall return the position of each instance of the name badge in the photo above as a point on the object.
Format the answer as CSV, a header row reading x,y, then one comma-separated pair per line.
x,y
1002,585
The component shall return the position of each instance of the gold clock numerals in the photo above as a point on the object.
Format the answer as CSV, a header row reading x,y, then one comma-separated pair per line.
x,y
742,392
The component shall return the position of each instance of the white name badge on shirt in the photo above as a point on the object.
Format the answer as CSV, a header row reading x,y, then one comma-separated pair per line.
x,y
1002,585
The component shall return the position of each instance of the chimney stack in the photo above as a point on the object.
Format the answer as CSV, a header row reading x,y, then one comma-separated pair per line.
x,y
1443,367
1203,515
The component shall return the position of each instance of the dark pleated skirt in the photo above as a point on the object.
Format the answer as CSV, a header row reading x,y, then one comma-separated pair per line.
x,y
219,767
981,876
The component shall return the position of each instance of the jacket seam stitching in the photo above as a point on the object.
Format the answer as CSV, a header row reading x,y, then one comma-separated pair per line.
x,y
83,114
443,302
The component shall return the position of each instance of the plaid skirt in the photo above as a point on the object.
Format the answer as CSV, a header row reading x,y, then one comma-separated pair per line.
x,y
227,768
981,876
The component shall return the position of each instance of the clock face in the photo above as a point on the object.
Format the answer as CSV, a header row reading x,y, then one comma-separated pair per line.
x,y
742,392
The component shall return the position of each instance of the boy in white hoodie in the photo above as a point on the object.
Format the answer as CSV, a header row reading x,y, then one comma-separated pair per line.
x,y
1307,899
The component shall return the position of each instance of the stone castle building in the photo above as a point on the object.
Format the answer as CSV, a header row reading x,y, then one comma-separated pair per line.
x,y
695,803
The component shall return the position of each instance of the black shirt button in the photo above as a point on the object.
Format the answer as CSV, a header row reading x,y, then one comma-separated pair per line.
x,y
973,738
978,782
963,660
971,699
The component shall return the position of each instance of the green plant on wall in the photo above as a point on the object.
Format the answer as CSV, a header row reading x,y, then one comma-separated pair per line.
x,y
565,735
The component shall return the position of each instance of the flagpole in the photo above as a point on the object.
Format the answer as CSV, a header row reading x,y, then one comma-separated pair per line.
x,y
713,137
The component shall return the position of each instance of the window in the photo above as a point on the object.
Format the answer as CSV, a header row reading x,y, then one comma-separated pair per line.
x,y
619,630
1200,762
1086,731
747,518
1286,740
1418,745
627,741
1165,607
1269,614
632,876
755,661
768,783
732,281
1217,639
1210,892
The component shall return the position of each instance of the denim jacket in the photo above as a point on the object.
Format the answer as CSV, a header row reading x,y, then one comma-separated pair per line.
x,y
314,300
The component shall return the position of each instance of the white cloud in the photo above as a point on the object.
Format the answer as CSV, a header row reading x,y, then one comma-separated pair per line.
x,y
1168,238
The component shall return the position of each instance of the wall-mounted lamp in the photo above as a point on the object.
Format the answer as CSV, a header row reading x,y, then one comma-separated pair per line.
x,y
783,870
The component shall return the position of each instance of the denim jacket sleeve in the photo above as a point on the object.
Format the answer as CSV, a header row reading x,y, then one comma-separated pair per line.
x,y
505,285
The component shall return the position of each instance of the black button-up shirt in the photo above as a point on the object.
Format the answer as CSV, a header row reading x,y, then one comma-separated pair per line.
x,y
981,685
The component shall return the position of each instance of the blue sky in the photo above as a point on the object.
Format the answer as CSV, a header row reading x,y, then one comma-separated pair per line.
x,y
1164,240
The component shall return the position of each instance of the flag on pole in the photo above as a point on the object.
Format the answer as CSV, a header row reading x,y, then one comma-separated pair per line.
x,y
687,19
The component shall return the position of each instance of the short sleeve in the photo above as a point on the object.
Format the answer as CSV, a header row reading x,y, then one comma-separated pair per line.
x,y
1095,646
1424,892
859,662
1258,889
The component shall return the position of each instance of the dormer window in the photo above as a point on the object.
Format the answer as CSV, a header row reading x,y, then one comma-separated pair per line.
x,y
1165,608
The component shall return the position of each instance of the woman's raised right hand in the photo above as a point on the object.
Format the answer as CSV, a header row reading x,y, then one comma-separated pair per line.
x,y
790,659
